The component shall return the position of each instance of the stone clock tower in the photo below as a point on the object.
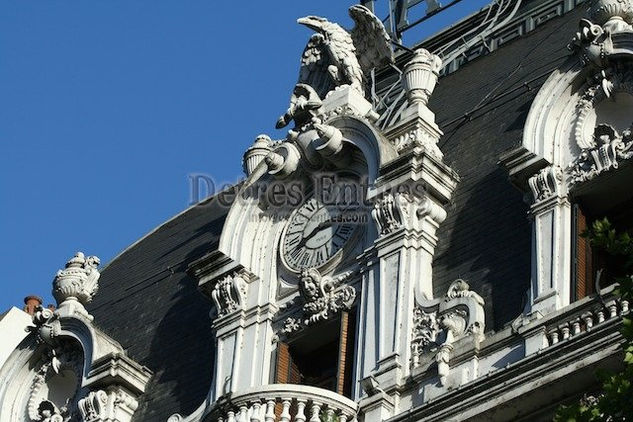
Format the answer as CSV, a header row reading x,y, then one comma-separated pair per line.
x,y
323,269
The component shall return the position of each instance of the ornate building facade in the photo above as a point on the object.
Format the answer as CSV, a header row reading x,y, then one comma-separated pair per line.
x,y
410,251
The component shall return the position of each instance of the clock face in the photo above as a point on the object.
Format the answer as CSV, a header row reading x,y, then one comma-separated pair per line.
x,y
313,235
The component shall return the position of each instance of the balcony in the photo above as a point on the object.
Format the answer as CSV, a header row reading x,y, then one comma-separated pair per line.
x,y
284,403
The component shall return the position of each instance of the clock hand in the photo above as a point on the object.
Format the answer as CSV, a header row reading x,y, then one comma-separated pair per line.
x,y
322,225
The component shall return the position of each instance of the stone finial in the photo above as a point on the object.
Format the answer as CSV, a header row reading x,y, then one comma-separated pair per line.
x,y
256,153
78,282
420,76
612,15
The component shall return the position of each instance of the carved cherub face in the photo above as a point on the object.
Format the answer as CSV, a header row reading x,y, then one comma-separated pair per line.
x,y
309,285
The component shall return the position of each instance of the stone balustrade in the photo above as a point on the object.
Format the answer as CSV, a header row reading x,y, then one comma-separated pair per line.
x,y
285,403
586,317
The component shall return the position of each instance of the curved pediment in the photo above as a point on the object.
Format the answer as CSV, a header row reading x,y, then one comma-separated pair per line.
x,y
580,121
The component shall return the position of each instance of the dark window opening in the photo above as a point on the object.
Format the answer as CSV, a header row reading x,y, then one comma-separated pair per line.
x,y
609,196
322,356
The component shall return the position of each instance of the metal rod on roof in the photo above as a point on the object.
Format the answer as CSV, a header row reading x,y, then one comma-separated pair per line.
x,y
403,47
432,13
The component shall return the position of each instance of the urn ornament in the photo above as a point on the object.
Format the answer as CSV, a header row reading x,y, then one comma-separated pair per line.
x,y
78,281
420,76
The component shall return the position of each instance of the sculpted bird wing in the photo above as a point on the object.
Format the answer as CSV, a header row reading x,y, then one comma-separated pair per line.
x,y
333,49
314,64
372,42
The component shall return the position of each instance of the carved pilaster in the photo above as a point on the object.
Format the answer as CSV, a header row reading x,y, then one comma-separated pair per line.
x,y
410,195
551,215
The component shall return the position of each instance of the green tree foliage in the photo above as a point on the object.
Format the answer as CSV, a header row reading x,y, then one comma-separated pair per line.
x,y
615,401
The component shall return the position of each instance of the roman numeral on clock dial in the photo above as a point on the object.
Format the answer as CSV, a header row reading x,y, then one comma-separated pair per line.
x,y
313,235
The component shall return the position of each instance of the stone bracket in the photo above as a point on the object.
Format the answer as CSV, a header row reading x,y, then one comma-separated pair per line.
x,y
439,323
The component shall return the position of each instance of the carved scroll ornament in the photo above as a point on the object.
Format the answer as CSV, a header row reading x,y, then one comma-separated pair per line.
x,y
229,294
593,42
439,323
323,297
609,150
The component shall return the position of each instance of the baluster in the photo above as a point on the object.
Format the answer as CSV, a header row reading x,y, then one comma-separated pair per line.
x,y
301,405
600,314
256,415
231,416
553,334
315,412
613,309
342,417
329,414
587,317
415,359
270,411
285,413
220,419
625,306
575,327
243,417
565,331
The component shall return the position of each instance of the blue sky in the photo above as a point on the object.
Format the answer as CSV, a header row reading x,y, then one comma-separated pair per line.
x,y
107,106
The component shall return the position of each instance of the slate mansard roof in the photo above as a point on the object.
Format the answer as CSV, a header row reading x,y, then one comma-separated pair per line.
x,y
152,307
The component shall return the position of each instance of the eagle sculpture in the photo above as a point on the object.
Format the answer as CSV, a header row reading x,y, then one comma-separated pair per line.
x,y
335,57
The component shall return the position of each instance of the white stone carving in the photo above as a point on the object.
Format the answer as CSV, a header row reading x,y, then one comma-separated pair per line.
x,y
593,42
297,403
613,15
229,294
386,214
416,125
65,354
305,107
60,367
420,76
335,57
113,405
439,323
425,330
418,137
93,406
48,412
283,160
323,298
256,153
547,183
47,325
394,211
76,285
330,141
609,149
